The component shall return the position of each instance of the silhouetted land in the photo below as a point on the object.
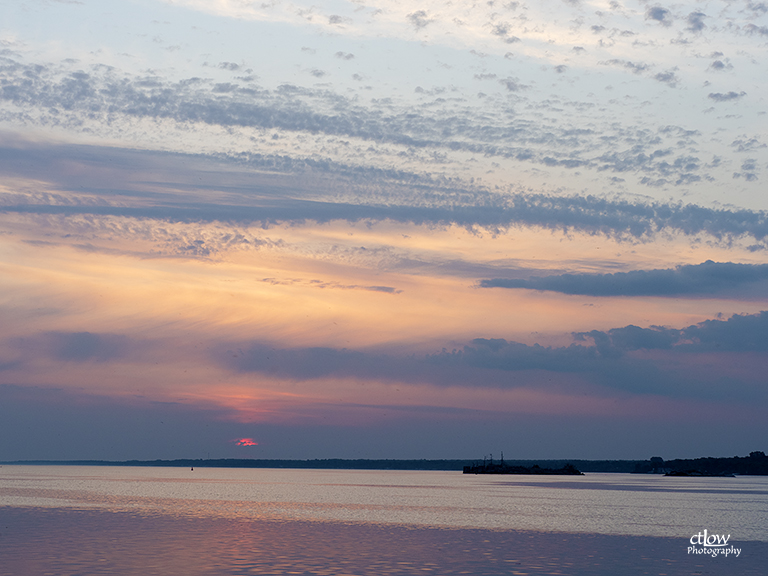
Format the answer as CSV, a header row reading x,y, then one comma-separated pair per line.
x,y
754,464
507,469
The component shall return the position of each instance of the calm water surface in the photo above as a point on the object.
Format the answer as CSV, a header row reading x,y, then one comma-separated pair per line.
x,y
136,520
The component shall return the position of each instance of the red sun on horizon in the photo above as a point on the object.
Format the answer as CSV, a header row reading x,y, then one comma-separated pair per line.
x,y
245,442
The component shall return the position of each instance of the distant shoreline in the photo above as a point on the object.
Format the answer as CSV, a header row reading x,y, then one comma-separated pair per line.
x,y
338,463
754,464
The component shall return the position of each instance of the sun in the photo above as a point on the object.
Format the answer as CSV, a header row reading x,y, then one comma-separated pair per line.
x,y
245,442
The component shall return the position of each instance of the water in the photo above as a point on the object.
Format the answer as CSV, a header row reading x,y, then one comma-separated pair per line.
x,y
135,520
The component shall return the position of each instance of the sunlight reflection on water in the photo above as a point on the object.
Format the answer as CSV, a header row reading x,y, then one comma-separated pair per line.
x,y
642,505
68,521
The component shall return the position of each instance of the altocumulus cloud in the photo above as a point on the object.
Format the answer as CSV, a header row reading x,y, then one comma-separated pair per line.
x,y
401,196
709,278
48,94
726,97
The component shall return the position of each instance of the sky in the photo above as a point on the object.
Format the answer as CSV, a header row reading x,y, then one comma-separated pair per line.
x,y
383,229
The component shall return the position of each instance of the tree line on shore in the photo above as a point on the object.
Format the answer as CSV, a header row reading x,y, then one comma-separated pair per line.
x,y
754,464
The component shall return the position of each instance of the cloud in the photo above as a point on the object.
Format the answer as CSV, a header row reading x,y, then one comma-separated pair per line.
x,y
720,97
659,14
696,21
747,144
59,96
754,29
404,197
709,278
481,363
718,65
80,346
419,19
749,170
636,68
315,362
615,359
512,84
501,30
331,285
623,220
669,78
739,333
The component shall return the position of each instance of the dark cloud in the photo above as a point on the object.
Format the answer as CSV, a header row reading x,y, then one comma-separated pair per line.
x,y
720,97
319,362
502,31
669,78
710,278
419,19
614,359
718,65
748,170
747,144
512,84
635,67
385,289
620,340
344,55
696,21
739,333
659,14
482,363
759,30
79,346
499,354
